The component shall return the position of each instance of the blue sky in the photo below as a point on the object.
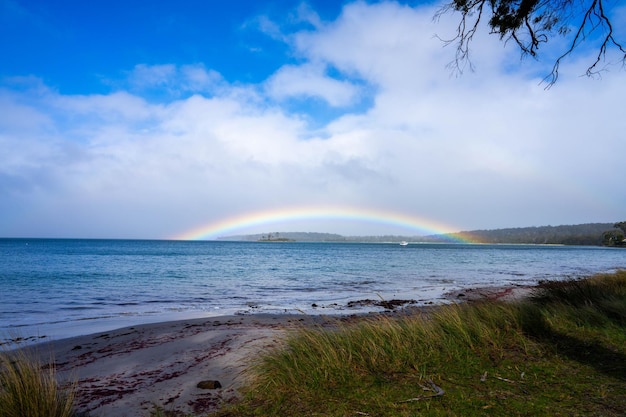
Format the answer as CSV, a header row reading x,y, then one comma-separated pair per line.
x,y
88,47
147,119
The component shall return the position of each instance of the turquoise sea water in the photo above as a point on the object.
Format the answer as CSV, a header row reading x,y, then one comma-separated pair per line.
x,y
54,288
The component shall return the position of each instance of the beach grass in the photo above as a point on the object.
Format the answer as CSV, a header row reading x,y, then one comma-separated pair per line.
x,y
560,352
29,387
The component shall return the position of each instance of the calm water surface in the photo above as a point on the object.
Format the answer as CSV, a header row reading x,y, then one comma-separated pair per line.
x,y
57,288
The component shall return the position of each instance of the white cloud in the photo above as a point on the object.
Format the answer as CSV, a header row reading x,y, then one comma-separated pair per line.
x,y
304,13
267,27
197,78
488,149
308,81
152,75
384,43
174,80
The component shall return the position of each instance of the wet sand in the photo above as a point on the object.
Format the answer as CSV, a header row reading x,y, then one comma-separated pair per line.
x,y
126,372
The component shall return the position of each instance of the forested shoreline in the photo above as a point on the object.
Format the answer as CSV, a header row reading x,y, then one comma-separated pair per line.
x,y
592,234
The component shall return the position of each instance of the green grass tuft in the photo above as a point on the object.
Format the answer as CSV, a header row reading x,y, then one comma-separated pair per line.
x,y
29,388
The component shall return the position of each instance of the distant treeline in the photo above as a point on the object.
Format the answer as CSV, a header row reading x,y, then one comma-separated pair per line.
x,y
288,236
581,234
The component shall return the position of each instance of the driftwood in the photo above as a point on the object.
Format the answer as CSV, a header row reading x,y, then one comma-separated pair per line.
x,y
438,392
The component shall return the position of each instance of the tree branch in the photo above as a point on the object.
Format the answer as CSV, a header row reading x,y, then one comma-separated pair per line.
x,y
464,35
529,23
596,9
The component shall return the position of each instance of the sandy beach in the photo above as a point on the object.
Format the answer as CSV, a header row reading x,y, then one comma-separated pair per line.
x,y
126,372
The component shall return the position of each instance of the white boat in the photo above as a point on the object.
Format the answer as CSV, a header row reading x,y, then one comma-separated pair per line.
x,y
404,243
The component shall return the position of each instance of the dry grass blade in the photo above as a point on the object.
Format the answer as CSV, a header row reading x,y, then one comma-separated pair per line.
x,y
437,389
30,388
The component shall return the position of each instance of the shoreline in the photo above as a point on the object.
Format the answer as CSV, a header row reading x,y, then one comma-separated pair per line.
x,y
130,370
11,338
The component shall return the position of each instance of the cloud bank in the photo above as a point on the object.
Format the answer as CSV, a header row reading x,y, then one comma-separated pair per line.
x,y
367,115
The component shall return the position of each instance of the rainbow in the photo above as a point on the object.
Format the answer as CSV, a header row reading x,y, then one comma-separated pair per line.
x,y
231,225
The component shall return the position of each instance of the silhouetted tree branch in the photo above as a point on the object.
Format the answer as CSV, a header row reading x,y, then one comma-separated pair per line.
x,y
530,23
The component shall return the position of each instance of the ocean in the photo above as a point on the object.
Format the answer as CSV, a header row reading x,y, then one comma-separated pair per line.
x,y
57,288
